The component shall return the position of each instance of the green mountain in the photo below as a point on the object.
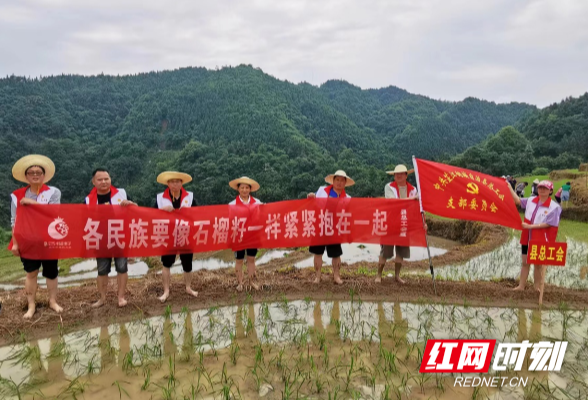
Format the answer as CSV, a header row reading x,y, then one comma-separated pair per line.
x,y
218,125
555,137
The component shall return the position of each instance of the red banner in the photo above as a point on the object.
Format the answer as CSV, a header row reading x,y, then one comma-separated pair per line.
x,y
75,230
542,253
460,193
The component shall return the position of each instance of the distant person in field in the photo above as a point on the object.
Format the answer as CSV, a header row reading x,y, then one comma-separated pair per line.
x,y
173,198
511,181
541,223
106,194
35,170
245,186
534,187
520,189
398,189
336,188
565,193
558,195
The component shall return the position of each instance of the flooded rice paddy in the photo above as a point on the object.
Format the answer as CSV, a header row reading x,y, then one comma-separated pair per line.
x,y
505,262
299,349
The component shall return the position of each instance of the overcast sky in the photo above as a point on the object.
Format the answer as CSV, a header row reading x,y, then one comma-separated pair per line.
x,y
502,50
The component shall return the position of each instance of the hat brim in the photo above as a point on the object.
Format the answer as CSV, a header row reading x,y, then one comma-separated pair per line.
x,y
20,167
349,182
410,171
167,176
247,181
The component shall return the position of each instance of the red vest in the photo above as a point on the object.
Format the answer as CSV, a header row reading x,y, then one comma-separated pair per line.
x,y
328,191
542,234
409,189
239,201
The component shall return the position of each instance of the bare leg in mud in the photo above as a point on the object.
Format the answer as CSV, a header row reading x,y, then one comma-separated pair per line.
x,y
318,265
31,291
239,272
539,278
397,267
251,272
524,275
336,267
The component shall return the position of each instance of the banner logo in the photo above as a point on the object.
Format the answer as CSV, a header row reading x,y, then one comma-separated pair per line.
x,y
58,229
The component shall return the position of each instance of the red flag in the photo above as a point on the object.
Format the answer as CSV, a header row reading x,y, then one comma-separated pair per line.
x,y
460,193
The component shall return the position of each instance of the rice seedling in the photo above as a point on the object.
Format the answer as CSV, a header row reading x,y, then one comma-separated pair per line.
x,y
121,389
147,380
234,352
74,388
92,366
10,388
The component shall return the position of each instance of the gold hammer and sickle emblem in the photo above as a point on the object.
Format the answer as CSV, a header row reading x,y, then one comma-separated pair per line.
x,y
473,188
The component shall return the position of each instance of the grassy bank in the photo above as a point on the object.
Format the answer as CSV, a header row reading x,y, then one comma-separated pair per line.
x,y
11,268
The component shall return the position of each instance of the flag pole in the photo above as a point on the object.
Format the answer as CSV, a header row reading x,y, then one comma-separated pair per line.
x,y
416,171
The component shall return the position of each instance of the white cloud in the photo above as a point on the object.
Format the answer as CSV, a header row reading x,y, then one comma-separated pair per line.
x,y
531,50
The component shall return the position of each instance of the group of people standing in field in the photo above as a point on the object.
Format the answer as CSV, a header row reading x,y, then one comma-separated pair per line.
x,y
37,170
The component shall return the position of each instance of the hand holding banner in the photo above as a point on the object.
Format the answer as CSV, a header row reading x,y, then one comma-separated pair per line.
x,y
87,231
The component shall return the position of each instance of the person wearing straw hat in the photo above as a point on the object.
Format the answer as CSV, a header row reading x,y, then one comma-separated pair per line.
x,y
541,223
336,188
35,170
245,186
173,198
398,189
105,194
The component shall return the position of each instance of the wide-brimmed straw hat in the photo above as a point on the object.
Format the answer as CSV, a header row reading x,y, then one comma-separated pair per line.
x,y
20,167
348,182
400,168
167,176
536,181
244,180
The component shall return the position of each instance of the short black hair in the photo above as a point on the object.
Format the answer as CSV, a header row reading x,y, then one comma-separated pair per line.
x,y
99,170
526,183
567,183
38,166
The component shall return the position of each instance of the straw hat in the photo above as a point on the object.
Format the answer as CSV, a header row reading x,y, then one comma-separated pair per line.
x,y
330,178
248,181
20,167
536,181
166,176
400,168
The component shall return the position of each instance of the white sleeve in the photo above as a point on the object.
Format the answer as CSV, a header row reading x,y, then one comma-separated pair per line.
x,y
389,192
320,193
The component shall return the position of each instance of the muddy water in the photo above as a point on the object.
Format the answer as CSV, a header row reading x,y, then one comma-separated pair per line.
x,y
322,349
356,252
505,262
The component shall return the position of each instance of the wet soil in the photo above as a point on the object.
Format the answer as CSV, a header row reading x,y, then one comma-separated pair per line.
x,y
217,288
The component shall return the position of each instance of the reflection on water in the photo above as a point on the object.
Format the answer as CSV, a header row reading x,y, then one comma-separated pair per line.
x,y
354,252
505,262
287,350
87,269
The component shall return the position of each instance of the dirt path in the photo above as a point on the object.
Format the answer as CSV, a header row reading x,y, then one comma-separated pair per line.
x,y
217,288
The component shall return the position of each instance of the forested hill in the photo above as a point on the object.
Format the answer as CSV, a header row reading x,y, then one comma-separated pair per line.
x,y
218,125
555,137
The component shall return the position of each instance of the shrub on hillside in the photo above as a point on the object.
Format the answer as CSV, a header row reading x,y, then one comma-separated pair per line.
x,y
540,171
